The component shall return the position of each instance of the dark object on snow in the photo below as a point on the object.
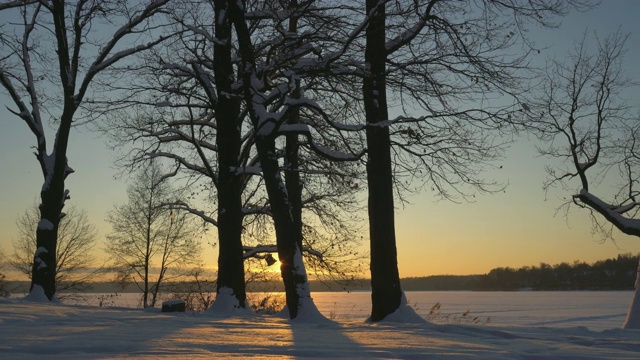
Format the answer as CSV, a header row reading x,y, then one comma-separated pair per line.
x,y
173,306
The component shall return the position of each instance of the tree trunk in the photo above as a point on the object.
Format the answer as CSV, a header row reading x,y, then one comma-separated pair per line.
x,y
228,140
292,179
294,274
53,195
54,169
294,192
292,149
43,271
386,294
156,287
147,254
633,315
292,268
145,290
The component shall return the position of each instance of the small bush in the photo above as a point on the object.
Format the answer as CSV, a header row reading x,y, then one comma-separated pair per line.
x,y
268,303
437,317
334,310
194,301
105,300
198,294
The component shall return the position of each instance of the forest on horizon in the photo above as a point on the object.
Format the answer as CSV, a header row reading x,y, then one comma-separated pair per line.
x,y
609,274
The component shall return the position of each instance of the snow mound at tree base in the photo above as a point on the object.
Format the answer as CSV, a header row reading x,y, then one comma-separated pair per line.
x,y
37,295
226,305
308,313
405,314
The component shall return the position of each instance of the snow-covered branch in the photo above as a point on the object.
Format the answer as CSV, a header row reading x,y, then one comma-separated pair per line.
x,y
254,251
205,80
334,155
612,213
256,210
24,113
203,33
407,36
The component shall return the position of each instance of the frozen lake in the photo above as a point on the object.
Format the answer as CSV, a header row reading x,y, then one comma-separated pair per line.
x,y
596,310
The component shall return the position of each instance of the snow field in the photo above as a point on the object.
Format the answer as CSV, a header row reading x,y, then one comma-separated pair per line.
x,y
31,330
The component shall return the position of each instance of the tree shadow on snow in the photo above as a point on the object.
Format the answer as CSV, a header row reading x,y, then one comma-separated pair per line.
x,y
326,338
81,331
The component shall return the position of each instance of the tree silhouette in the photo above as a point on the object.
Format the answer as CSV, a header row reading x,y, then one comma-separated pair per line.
x,y
150,241
51,54
77,237
584,121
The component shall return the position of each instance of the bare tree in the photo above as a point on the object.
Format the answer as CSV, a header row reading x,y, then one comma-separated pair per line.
x,y
75,263
51,53
197,122
588,131
386,293
289,241
446,58
319,193
274,97
449,59
150,241
453,47
194,120
452,61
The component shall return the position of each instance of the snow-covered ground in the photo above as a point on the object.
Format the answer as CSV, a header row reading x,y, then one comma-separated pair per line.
x,y
33,330
549,325
596,310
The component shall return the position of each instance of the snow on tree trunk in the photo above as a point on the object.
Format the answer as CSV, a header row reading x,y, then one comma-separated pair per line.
x,y
633,315
228,140
54,169
306,310
43,271
386,294
294,275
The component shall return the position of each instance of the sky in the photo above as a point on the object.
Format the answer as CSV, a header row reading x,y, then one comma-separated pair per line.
x,y
514,228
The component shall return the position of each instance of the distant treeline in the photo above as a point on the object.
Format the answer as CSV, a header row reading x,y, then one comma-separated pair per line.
x,y
611,274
